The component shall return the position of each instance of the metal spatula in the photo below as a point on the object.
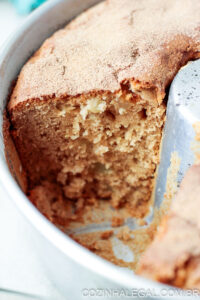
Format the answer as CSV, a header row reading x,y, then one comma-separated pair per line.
x,y
183,112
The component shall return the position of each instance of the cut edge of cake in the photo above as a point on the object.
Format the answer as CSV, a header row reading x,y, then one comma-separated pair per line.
x,y
174,255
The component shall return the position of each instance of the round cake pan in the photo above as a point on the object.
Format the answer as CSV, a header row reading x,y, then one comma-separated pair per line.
x,y
76,272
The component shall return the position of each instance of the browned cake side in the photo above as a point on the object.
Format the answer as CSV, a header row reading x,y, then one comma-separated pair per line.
x,y
174,255
87,111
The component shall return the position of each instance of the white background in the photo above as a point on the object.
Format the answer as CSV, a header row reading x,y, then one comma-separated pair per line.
x,y
20,269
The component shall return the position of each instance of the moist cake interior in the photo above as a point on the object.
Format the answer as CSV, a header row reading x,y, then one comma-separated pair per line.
x,y
104,147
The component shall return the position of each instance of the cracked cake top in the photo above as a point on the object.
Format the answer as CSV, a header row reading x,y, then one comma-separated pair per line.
x,y
145,41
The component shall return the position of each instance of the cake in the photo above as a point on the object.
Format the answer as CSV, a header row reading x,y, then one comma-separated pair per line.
x,y
88,108
174,255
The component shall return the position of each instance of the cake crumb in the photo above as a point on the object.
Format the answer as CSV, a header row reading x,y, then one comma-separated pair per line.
x,y
106,234
117,221
172,173
94,105
141,222
195,146
124,234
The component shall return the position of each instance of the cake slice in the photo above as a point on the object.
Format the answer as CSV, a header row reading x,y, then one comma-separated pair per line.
x,y
174,255
87,111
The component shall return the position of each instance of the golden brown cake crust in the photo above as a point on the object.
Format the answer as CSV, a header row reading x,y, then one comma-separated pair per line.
x,y
118,40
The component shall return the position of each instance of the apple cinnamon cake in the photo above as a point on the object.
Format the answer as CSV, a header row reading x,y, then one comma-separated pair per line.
x,y
88,108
